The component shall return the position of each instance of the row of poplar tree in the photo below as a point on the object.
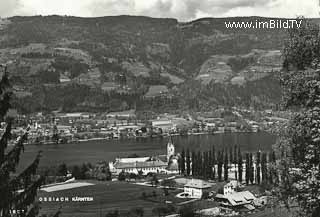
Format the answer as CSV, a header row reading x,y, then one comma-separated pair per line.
x,y
215,165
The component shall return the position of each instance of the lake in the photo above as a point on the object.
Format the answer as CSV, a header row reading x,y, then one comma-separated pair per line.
x,y
107,150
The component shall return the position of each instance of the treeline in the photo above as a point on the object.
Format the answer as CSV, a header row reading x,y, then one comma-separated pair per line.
x,y
62,172
38,55
217,165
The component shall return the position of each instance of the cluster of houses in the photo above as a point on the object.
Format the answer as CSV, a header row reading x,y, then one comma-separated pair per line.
x,y
125,124
230,201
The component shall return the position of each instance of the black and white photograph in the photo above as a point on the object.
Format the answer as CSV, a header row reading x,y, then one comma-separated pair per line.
x,y
159,108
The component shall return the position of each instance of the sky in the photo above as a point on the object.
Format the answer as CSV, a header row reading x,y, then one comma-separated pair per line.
x,y
183,10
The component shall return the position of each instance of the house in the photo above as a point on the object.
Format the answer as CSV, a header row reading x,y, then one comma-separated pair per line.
x,y
164,124
230,187
122,114
236,199
196,187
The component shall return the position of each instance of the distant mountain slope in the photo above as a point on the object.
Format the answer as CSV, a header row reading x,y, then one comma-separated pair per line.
x,y
220,66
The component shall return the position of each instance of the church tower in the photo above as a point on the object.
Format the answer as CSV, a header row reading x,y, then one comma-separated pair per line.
x,y
170,149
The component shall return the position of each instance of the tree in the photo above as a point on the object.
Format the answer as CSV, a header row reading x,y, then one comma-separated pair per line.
x,y
235,161
84,169
240,168
220,162
122,176
9,160
187,211
210,165
76,173
62,170
154,180
188,162
231,155
199,164
298,146
183,164
205,164
55,134
258,167
194,164
226,167
169,183
264,169
108,174
251,169
271,169
247,168
205,195
213,163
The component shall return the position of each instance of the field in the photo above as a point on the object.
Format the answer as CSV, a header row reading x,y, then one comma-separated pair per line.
x,y
107,196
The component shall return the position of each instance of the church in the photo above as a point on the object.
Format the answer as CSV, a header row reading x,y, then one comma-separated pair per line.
x,y
150,164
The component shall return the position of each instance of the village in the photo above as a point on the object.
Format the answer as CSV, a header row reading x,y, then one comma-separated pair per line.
x,y
83,126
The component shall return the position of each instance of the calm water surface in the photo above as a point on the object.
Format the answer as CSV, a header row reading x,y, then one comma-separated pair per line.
x,y
107,150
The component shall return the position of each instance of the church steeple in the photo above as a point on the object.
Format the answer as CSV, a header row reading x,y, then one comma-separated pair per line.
x,y
170,149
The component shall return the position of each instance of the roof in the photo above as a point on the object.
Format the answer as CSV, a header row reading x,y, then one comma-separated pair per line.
x,y
139,164
133,159
249,207
197,183
238,198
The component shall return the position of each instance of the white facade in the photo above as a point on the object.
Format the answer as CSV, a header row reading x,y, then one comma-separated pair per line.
x,y
196,187
194,192
230,188
135,165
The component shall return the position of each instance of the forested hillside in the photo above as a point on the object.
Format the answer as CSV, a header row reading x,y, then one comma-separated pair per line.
x,y
110,63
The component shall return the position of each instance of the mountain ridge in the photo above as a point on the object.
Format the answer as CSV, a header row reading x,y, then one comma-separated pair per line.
x,y
120,57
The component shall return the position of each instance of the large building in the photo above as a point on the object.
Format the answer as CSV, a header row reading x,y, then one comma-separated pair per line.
x,y
135,165
152,164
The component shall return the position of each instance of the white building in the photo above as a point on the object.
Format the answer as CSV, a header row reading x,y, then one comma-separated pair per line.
x,y
164,124
230,187
196,187
158,164
135,165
